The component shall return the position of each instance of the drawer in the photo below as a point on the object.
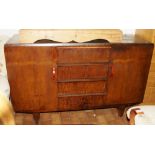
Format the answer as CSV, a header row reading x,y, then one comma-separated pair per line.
x,y
82,54
81,102
82,87
82,71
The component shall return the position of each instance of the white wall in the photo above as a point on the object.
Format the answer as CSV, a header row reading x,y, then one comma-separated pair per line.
x,y
128,31
11,32
8,32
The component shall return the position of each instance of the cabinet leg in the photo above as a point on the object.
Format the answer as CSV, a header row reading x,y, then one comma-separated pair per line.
x,y
36,117
121,111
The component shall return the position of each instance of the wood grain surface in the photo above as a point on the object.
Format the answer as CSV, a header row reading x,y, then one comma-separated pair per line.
x,y
41,79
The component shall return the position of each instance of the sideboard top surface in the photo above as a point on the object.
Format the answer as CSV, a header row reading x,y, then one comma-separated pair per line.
x,y
127,39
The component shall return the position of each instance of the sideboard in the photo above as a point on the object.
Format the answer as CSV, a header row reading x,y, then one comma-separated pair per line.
x,y
48,76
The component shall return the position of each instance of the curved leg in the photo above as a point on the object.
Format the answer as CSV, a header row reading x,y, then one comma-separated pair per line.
x,y
36,117
121,110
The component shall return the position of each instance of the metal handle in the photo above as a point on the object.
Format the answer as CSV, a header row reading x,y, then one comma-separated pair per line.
x,y
53,73
111,72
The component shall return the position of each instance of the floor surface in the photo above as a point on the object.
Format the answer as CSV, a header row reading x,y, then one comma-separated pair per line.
x,y
84,117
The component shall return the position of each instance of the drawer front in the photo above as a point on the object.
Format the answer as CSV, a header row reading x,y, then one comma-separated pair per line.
x,y
82,87
82,71
82,54
81,102
82,74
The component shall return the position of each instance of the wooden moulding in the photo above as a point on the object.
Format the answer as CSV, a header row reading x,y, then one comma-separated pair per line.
x,y
67,35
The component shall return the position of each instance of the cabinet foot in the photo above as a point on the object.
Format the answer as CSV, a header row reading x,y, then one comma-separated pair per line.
x,y
36,117
121,111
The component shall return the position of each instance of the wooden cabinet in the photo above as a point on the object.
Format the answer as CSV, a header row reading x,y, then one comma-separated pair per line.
x,y
75,76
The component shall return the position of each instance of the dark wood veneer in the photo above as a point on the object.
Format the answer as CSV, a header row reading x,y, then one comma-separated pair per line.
x,y
75,76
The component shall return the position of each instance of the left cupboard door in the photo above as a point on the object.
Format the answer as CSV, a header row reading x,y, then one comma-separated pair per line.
x,y
29,70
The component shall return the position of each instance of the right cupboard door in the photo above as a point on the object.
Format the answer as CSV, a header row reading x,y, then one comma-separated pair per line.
x,y
130,68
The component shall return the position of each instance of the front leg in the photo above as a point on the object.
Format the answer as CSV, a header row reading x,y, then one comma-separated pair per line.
x,y
121,110
36,117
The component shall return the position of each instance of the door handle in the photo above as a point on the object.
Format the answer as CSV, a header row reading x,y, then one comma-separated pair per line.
x,y
53,73
111,70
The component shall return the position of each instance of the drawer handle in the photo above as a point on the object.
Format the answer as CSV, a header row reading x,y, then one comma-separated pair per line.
x,y
53,73
111,72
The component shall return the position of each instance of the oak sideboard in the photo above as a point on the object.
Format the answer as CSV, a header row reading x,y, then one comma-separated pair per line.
x,y
48,76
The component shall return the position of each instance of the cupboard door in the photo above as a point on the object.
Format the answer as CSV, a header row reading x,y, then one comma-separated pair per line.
x,y
46,78
30,77
131,64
